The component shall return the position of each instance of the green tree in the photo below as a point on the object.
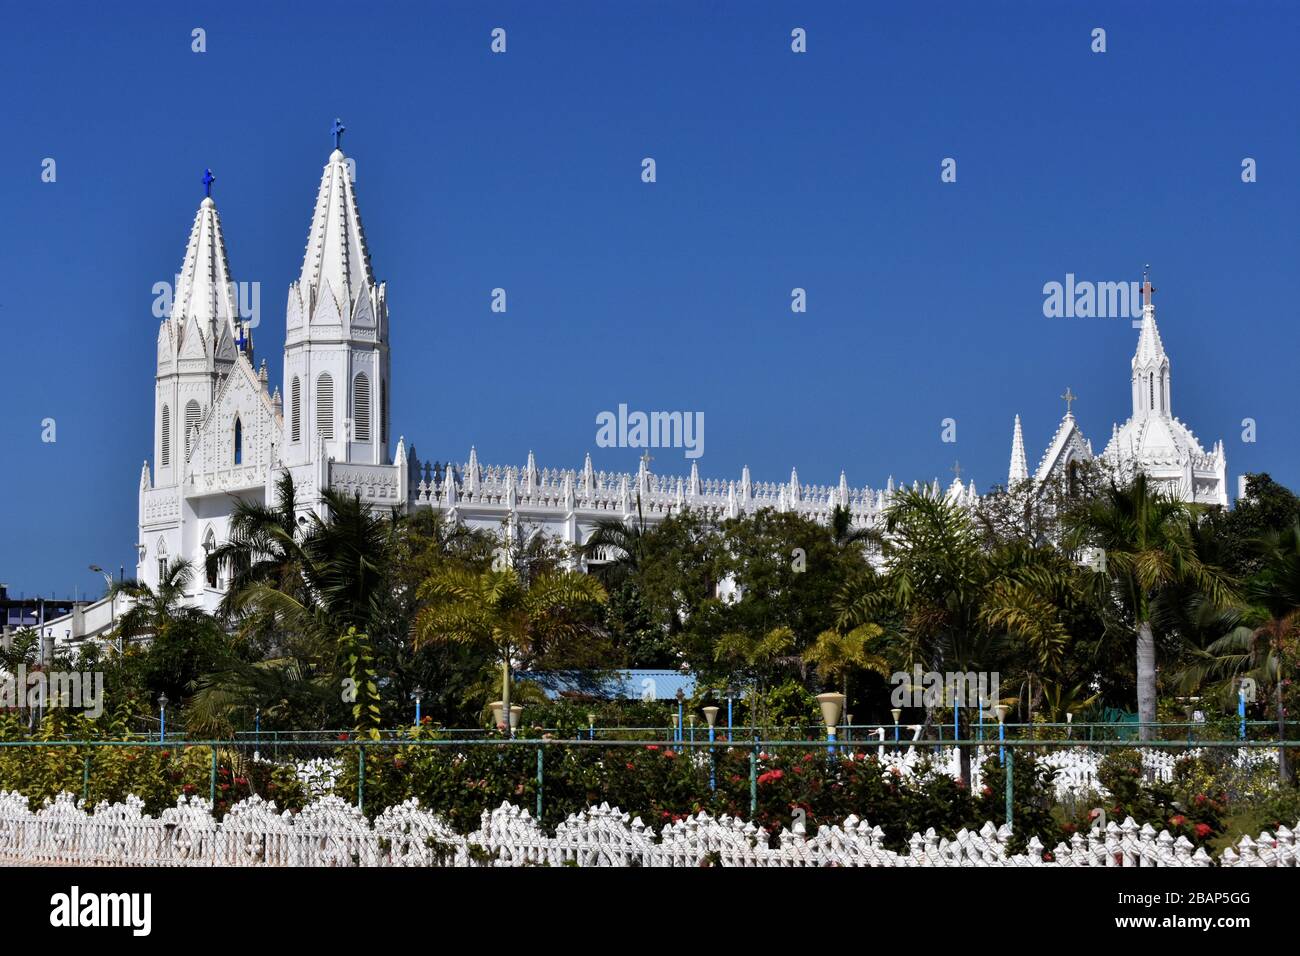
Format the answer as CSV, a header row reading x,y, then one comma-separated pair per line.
x,y
521,622
1146,546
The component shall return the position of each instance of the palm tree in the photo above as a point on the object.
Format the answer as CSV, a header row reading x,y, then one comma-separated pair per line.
x,y
844,535
151,610
262,544
520,621
836,654
1147,546
1259,642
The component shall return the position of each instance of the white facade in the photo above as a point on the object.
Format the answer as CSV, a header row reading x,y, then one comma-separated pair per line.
x,y
1152,440
219,432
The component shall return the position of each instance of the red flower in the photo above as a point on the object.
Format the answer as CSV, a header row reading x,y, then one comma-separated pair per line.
x,y
652,747
670,753
629,766
343,736
241,781
769,776
1177,820
1203,830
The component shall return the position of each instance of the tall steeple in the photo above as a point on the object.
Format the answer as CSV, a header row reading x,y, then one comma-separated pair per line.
x,y
204,301
336,361
1019,470
196,342
1150,379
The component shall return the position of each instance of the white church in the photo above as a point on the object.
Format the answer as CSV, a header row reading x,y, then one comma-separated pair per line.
x,y
221,432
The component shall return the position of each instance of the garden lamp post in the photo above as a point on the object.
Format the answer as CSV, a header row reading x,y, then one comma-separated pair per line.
x,y
830,703
591,725
1002,710
711,717
691,719
848,727
162,716
108,592
675,720
498,714
897,712
681,705
1069,724
730,694
516,711
419,696
980,730
1241,707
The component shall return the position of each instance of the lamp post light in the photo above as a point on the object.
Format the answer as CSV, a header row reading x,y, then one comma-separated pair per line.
x,y
675,720
108,592
591,725
897,712
1002,710
516,711
419,696
681,711
1069,724
711,717
730,694
1241,707
691,719
831,704
498,714
162,716
848,727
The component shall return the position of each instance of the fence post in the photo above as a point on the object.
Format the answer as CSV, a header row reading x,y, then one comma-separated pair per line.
x,y
85,778
753,783
212,780
1011,766
361,778
539,783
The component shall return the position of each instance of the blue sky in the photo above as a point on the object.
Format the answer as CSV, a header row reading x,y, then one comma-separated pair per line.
x,y
775,171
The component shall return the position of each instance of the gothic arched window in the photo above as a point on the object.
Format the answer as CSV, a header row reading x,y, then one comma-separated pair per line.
x,y
210,545
295,409
383,412
239,441
361,408
191,422
325,406
165,457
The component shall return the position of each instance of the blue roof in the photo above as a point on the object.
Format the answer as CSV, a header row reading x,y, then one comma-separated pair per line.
x,y
613,685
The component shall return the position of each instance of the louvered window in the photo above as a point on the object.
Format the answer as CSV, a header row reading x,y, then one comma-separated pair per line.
x,y
295,409
165,459
191,422
361,407
325,406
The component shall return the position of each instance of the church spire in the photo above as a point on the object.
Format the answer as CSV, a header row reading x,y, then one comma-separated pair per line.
x,y
204,297
1019,470
337,257
1151,388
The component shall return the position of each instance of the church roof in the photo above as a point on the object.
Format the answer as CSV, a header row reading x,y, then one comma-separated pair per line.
x,y
337,255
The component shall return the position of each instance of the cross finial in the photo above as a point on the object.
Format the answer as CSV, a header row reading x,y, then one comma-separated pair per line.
x,y
956,469
1070,399
646,458
337,130
208,180
1147,288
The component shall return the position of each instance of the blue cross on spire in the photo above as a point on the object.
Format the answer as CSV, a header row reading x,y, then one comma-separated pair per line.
x,y
337,130
208,180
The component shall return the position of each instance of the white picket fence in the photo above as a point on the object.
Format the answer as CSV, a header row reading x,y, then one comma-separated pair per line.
x,y
331,832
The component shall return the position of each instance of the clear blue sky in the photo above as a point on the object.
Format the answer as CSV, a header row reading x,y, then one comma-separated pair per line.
x,y
775,170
